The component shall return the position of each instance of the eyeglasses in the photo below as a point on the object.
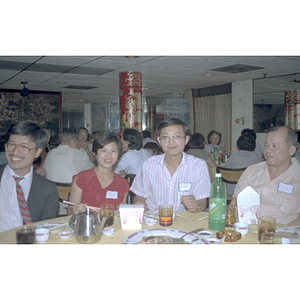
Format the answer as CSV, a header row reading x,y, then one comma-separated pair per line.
x,y
10,147
174,138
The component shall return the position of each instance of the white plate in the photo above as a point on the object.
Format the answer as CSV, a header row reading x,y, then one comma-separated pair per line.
x,y
65,234
137,236
53,224
108,231
288,232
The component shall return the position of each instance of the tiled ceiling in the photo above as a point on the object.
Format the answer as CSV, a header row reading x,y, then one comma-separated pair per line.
x,y
96,78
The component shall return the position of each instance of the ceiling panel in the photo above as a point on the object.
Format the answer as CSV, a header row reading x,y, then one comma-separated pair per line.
x,y
160,73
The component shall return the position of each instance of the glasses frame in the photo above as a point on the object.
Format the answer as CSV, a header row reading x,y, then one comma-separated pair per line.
x,y
175,139
18,145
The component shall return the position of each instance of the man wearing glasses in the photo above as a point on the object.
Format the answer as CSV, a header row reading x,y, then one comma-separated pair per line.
x,y
25,196
173,177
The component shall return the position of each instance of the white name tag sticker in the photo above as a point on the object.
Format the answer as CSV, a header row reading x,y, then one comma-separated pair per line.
x,y
111,195
285,188
184,186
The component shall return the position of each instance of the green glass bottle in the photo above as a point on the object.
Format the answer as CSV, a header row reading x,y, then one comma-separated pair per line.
x,y
217,204
216,154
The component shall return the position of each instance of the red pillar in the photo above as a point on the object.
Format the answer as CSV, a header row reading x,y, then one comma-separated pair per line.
x,y
130,100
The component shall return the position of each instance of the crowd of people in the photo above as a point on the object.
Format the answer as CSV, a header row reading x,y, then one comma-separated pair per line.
x,y
170,166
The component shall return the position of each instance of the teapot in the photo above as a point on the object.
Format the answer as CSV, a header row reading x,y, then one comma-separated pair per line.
x,y
87,227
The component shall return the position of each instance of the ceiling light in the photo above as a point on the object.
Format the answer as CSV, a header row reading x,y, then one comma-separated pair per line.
x,y
24,92
131,56
208,75
61,82
281,84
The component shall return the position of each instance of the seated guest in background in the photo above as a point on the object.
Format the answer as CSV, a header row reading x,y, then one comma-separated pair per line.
x,y
134,157
3,159
297,153
100,185
173,177
147,137
94,135
276,180
65,161
213,139
244,157
37,196
152,148
38,164
257,144
195,147
83,143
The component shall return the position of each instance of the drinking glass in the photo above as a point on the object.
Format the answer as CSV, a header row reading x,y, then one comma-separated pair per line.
x,y
270,238
230,215
166,214
25,235
266,224
107,210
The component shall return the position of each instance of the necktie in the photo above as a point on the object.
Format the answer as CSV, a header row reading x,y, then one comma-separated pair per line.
x,y
22,202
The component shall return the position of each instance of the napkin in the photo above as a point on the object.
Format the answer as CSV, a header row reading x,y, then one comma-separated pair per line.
x,y
131,216
248,205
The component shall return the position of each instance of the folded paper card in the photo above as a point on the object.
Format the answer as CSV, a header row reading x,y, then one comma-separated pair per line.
x,y
131,216
248,205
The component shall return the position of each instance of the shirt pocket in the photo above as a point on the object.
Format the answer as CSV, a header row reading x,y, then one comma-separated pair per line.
x,y
286,203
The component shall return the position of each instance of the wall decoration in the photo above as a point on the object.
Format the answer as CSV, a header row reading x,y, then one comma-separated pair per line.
x,y
42,108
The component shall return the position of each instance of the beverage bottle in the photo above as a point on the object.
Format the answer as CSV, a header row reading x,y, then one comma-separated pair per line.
x,y
216,154
217,204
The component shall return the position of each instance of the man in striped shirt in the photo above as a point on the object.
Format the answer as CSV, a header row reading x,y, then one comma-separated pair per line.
x,y
173,177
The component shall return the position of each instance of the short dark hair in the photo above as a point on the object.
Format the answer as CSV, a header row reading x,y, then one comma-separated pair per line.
x,y
105,139
146,133
246,142
66,136
211,133
249,131
170,122
298,134
31,130
152,146
291,139
197,141
134,138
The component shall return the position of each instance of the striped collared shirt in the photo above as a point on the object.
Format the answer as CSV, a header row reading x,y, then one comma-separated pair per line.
x,y
154,182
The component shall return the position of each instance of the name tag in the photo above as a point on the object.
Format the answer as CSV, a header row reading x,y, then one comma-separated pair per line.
x,y
111,195
184,186
285,188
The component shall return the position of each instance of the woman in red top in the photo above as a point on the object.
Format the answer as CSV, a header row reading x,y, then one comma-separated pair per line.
x,y
100,185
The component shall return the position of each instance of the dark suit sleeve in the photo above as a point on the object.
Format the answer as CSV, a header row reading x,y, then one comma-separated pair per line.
x,y
42,199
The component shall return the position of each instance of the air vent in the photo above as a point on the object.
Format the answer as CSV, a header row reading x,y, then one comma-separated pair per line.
x,y
238,68
80,87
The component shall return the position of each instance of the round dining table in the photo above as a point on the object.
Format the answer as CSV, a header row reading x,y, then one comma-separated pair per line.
x,y
184,221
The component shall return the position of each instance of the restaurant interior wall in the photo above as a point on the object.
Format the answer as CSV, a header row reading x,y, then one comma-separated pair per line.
x,y
242,107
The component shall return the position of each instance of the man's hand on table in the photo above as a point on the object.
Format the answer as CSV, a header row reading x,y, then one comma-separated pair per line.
x,y
191,203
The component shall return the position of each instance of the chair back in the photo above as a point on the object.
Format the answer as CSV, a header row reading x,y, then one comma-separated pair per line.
x,y
131,195
230,175
63,190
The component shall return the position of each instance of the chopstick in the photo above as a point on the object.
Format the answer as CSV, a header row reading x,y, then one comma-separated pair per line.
x,y
178,215
60,225
71,203
203,218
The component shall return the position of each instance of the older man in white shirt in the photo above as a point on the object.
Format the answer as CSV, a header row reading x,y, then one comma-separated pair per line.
x,y
66,160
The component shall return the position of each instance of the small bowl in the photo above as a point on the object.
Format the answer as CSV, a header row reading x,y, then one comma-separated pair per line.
x,y
205,234
42,235
65,234
108,231
150,221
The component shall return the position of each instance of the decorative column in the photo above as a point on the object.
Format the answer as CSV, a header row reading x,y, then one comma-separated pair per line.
x,y
292,109
130,100
151,118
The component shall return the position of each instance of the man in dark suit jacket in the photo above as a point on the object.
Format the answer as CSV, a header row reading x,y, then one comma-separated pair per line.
x,y
25,141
